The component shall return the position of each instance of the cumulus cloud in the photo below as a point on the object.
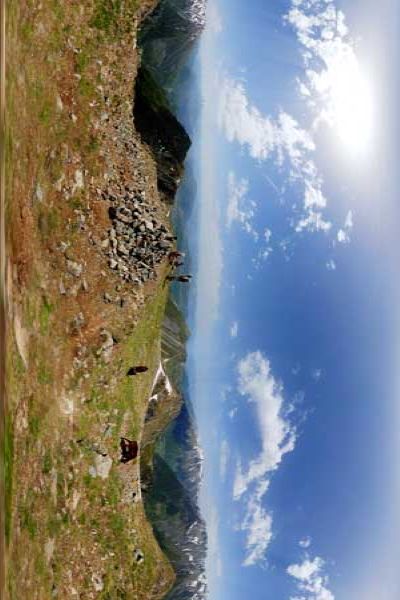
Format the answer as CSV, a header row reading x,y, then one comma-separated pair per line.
x,y
305,542
277,436
257,383
335,90
310,579
281,138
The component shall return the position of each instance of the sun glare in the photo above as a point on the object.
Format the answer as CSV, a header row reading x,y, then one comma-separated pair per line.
x,y
351,106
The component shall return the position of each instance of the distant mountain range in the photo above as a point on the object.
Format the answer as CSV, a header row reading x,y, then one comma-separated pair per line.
x,y
168,36
171,506
172,472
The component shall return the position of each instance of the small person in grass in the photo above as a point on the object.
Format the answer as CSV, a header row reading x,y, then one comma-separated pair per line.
x,y
137,369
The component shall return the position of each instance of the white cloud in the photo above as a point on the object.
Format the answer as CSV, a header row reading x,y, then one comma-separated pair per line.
x,y
214,20
343,235
313,221
311,580
258,526
239,209
281,138
278,437
214,559
316,374
232,413
305,542
265,251
234,329
336,87
331,265
223,458
262,391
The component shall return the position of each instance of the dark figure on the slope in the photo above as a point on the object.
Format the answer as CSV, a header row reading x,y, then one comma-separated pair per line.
x,y
180,278
129,450
137,369
175,256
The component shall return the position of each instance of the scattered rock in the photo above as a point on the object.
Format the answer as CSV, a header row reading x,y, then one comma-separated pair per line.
x,y
138,556
49,549
78,180
107,346
74,268
39,194
77,322
97,582
59,103
102,466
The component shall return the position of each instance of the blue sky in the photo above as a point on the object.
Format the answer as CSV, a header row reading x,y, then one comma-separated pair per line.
x,y
295,318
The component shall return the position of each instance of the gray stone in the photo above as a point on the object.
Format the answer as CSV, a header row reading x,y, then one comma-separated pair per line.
x,y
103,466
78,321
74,268
138,556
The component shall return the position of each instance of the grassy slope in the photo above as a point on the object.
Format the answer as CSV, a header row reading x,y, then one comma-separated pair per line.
x,y
66,530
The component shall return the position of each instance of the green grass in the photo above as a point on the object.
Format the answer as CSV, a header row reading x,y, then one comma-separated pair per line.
x,y
34,426
44,316
47,463
44,375
114,17
8,473
48,221
117,524
28,522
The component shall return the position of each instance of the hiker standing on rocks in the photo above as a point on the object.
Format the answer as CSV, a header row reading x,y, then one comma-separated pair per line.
x,y
180,278
174,257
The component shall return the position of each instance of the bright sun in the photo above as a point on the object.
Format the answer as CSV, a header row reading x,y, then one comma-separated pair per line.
x,y
347,103
352,107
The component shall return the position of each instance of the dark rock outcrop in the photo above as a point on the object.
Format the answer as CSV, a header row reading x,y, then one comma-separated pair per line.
x,y
168,36
163,133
